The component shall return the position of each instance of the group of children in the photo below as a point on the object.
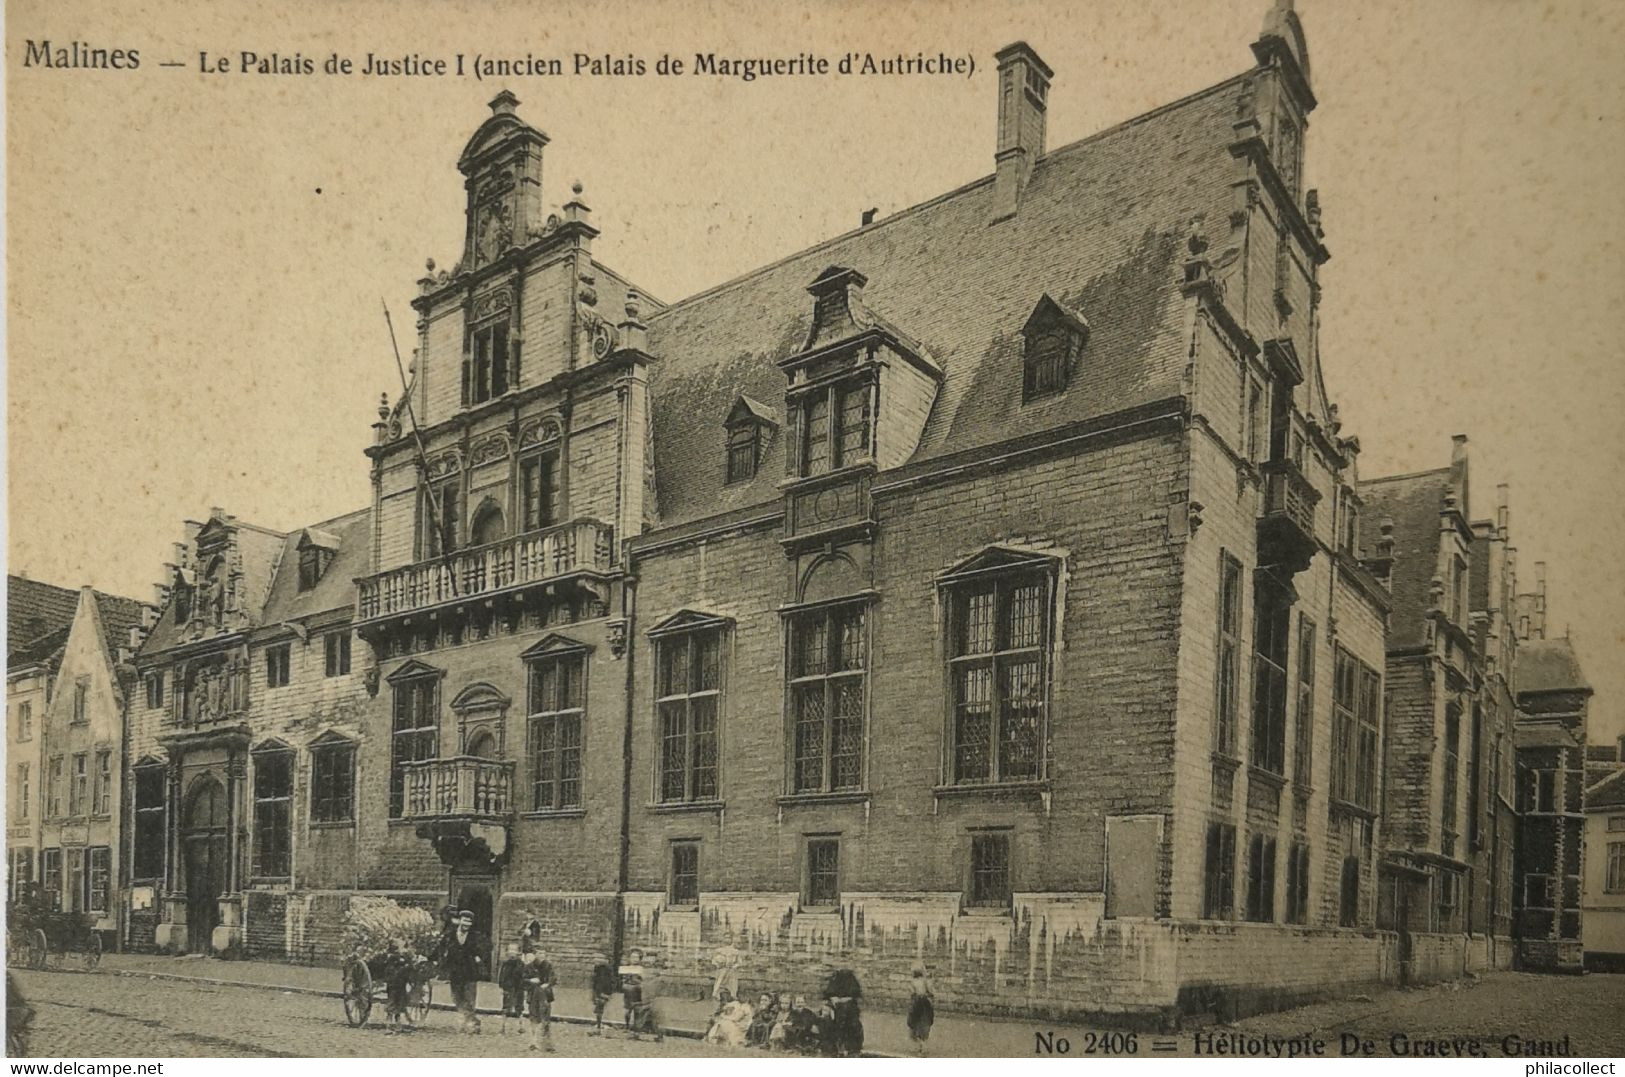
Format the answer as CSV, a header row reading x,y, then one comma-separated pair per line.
x,y
526,978
833,1029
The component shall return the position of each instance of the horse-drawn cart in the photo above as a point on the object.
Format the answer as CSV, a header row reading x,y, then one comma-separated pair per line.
x,y
35,931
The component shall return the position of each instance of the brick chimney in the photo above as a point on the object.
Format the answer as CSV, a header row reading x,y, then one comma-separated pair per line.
x,y
1023,98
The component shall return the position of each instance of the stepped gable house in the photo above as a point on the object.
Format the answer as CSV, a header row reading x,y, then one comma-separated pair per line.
x,y
979,585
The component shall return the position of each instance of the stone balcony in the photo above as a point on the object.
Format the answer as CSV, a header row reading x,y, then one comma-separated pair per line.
x,y
1286,529
576,554
462,805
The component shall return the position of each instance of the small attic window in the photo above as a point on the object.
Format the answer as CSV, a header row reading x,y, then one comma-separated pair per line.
x,y
747,424
744,451
313,561
1054,338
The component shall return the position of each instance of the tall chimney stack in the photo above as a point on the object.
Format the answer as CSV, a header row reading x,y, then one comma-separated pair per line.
x,y
1023,98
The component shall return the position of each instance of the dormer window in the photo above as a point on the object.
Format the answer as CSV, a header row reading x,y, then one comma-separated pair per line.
x,y
1054,337
747,425
744,452
835,426
313,561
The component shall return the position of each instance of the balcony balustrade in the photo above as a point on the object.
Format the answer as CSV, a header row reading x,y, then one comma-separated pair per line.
x,y
1286,530
582,546
461,787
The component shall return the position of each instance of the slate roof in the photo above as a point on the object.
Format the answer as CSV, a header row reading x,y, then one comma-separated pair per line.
x,y
1608,793
1100,229
1413,502
36,615
39,617
270,586
352,557
118,615
1549,665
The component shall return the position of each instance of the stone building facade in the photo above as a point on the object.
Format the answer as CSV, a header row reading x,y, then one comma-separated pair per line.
x,y
38,617
981,586
1448,818
1554,700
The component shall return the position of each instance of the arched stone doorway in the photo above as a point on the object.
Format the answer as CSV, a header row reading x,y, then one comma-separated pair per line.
x,y
483,743
203,841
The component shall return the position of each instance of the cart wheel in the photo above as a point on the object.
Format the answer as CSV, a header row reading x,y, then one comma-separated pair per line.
x,y
93,952
420,1008
37,949
357,992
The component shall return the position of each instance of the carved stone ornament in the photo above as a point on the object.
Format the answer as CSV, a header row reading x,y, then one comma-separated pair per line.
x,y
444,464
603,341
495,229
539,432
493,302
490,449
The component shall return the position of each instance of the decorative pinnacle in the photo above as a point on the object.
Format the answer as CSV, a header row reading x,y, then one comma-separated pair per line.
x,y
504,102
633,304
429,265
576,188
383,406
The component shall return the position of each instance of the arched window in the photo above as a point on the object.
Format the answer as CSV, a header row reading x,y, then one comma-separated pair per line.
x,y
489,524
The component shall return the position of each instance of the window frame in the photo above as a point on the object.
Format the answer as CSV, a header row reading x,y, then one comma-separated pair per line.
x,y
278,665
1227,660
1219,871
272,814
1348,897
742,452
671,702
331,757
490,355
1356,719
814,847
150,815
830,429
1048,373
1272,634
104,873
1262,863
415,696
1003,583
561,715
541,507
1303,733
79,785
336,652
1297,883
685,847
24,791
155,690
25,721
1614,868
50,875
982,846
829,682
53,787
101,802
81,701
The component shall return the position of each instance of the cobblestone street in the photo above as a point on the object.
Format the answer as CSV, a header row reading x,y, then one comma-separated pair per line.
x,y
95,1015
102,1014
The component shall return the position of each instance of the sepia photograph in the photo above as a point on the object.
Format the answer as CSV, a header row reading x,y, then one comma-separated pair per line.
x,y
1045,530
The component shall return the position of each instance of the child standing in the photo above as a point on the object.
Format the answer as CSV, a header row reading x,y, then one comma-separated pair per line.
x,y
632,988
397,982
538,980
921,1013
603,986
510,977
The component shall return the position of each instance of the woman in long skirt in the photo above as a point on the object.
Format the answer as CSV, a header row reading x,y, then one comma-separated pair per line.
x,y
921,1013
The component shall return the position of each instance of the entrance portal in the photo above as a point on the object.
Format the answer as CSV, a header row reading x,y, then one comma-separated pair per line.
x,y
476,898
203,838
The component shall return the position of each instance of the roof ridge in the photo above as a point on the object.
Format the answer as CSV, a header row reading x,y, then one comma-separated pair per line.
x,y
965,188
1407,475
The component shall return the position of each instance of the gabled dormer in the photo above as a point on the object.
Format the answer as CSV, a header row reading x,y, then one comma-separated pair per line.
x,y
316,551
859,389
1052,347
749,427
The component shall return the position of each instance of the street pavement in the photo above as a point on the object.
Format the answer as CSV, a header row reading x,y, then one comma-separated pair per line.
x,y
144,1006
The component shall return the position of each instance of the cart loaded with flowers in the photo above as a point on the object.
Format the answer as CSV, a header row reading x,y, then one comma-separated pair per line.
x,y
384,938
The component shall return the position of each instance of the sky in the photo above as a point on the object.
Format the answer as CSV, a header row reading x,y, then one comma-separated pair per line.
x,y
196,262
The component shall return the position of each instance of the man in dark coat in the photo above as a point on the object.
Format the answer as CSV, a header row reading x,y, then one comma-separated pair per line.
x,y
462,960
